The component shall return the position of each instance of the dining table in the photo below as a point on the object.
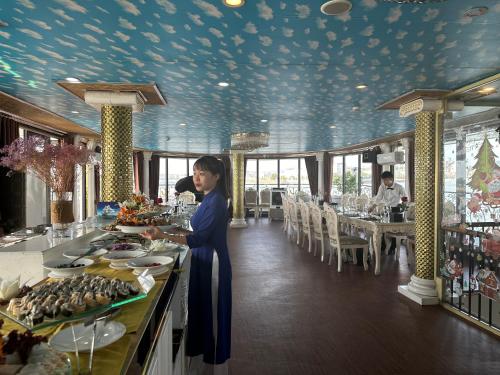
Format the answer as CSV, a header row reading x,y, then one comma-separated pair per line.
x,y
375,227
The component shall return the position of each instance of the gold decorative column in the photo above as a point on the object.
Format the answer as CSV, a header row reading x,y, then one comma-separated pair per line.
x,y
238,168
116,133
428,138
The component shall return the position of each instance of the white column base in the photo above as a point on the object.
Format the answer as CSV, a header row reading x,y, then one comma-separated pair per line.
x,y
420,291
238,223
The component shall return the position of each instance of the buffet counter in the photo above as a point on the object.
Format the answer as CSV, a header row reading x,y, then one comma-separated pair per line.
x,y
161,314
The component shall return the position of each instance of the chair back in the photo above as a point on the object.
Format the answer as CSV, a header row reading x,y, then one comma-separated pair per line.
x,y
187,197
251,196
332,226
294,218
317,218
410,213
304,214
265,197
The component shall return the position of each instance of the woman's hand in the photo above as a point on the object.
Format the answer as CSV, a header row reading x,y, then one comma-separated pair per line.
x,y
153,233
179,238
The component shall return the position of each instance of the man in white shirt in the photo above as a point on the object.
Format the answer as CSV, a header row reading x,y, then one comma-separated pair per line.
x,y
389,194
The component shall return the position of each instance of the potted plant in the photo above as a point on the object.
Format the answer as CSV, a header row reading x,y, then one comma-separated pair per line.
x,y
54,164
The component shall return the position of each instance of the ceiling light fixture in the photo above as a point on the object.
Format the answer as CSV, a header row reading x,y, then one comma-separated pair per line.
x,y
486,90
414,1
355,108
72,80
264,121
233,3
249,141
75,112
182,124
361,86
223,84
333,126
336,7
3,24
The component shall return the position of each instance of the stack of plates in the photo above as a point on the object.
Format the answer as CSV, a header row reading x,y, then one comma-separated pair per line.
x,y
142,264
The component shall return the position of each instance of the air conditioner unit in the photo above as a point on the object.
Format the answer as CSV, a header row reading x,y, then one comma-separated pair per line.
x,y
391,158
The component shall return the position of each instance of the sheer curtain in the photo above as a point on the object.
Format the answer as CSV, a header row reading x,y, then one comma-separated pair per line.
x,y
327,176
312,173
138,171
154,176
376,175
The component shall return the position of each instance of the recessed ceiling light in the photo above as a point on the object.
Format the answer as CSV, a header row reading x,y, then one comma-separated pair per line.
x,y
3,24
264,120
355,108
182,124
333,126
75,112
486,90
233,3
72,80
361,86
336,7
476,11
223,84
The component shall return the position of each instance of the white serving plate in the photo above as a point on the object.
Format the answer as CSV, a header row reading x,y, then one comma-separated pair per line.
x,y
141,229
139,264
67,272
133,246
106,334
119,259
75,253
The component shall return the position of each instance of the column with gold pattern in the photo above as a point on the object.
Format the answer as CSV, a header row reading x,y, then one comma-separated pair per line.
x,y
428,139
116,133
238,168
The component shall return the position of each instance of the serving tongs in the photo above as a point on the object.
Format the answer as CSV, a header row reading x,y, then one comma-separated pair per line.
x,y
91,251
92,320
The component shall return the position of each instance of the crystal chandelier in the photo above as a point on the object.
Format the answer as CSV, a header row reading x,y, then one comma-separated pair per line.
x,y
249,141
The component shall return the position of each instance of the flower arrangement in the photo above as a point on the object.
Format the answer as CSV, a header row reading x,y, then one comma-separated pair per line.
x,y
54,164
404,203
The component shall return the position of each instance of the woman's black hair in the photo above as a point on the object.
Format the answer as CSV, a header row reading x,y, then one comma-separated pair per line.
x,y
214,166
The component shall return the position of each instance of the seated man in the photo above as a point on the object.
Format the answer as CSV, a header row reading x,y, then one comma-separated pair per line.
x,y
389,194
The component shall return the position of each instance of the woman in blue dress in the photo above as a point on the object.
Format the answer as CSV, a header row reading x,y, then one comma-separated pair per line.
x,y
209,296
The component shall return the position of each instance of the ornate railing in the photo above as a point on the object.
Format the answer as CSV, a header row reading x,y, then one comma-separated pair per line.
x,y
469,264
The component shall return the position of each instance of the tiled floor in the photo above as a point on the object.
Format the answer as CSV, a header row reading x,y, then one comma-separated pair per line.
x,y
293,314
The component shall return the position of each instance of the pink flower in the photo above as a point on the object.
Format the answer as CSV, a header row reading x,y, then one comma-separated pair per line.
x,y
54,164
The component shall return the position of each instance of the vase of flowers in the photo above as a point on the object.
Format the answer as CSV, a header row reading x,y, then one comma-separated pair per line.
x,y
54,164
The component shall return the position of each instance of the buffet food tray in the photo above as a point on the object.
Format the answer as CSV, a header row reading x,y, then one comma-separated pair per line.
x,y
60,318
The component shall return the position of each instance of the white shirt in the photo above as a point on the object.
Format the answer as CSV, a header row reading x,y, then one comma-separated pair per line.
x,y
390,196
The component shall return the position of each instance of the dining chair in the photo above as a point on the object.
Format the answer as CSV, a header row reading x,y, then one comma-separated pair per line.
x,y
286,212
295,220
251,201
265,201
187,197
319,231
306,224
343,243
400,238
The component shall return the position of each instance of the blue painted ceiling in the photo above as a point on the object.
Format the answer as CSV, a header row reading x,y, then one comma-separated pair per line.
x,y
285,61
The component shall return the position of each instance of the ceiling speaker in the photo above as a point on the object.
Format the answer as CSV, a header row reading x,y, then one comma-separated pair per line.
x,y
336,7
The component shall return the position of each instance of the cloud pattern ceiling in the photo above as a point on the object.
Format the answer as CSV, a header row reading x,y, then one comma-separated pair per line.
x,y
285,62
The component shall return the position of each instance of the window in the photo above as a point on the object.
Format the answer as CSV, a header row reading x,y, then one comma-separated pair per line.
x,y
190,166
162,186
177,169
337,176
289,174
304,178
351,174
400,169
366,179
268,173
251,174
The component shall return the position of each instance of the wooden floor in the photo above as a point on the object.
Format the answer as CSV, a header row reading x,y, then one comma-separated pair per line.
x,y
293,314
